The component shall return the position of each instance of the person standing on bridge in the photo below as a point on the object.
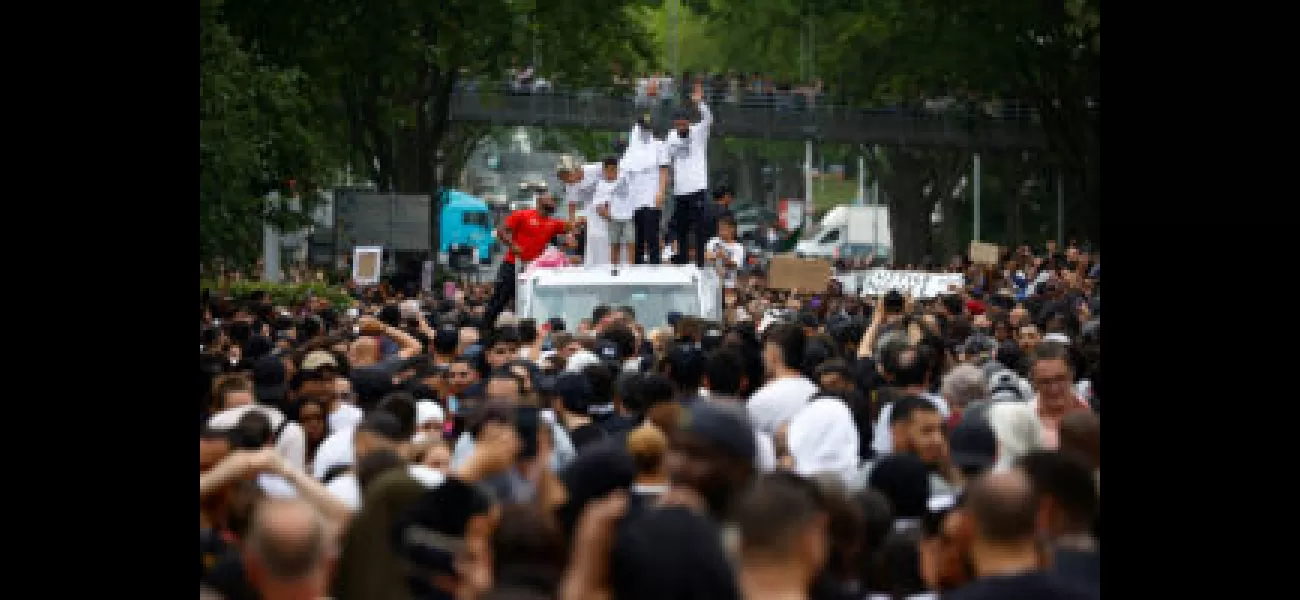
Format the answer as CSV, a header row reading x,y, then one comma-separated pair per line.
x,y
687,150
580,186
526,233
640,164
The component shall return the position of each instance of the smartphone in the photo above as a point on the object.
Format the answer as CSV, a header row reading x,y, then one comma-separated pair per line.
x,y
526,424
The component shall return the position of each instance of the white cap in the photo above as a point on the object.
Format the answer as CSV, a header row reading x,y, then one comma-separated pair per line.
x,y
1057,337
426,411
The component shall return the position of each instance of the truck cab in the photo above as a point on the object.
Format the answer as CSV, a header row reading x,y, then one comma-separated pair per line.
x,y
850,232
652,290
466,222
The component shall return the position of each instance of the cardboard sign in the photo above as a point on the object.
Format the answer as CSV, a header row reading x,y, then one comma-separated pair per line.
x,y
366,263
789,272
984,254
877,282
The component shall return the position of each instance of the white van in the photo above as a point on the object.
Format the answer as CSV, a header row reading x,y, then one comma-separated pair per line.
x,y
850,232
652,291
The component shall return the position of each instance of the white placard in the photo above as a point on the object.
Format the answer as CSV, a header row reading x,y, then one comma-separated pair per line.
x,y
876,282
367,261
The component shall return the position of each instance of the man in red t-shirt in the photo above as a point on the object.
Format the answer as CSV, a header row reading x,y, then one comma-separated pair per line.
x,y
526,233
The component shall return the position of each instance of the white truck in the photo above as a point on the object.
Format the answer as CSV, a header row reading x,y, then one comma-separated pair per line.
x,y
850,232
652,291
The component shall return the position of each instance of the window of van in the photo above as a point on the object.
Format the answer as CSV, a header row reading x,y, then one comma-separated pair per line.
x,y
831,237
476,218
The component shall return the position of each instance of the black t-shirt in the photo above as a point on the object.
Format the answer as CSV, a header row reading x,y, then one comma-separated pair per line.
x,y
584,435
1079,567
617,424
1028,586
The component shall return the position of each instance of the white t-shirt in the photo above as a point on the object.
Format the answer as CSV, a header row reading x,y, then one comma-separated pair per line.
x,y
778,401
614,194
345,416
734,251
346,487
579,194
335,449
690,157
640,164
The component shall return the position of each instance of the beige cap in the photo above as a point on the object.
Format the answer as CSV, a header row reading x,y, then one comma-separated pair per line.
x,y
568,162
317,359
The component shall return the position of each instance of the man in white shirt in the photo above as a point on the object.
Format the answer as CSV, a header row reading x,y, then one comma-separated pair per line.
x,y
687,151
580,184
640,164
613,204
726,254
787,391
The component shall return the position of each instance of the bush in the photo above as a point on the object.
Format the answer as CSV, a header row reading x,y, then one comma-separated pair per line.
x,y
282,294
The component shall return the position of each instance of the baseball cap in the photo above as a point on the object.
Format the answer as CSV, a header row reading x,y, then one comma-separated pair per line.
x,y
568,162
269,379
427,411
382,424
894,300
317,359
681,114
574,389
1059,338
607,351
726,426
973,445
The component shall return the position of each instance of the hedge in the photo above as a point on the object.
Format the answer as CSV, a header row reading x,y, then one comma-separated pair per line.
x,y
283,294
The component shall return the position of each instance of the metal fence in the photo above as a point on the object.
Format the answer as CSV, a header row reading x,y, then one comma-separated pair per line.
x,y
772,118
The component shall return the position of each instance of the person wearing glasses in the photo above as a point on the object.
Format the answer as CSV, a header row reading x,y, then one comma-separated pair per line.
x,y
1053,379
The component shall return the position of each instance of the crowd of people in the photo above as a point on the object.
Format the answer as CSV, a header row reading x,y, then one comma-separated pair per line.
x,y
811,444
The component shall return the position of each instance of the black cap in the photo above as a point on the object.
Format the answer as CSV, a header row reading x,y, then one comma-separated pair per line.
x,y
807,319
383,424
726,426
905,480
574,389
446,339
546,384
607,351
390,315
685,357
681,114
973,445
269,379
894,300
556,323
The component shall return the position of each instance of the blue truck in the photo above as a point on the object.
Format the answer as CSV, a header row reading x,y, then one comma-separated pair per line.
x,y
466,222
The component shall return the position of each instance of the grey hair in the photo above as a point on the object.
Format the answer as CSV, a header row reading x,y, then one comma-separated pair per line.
x,y
964,384
287,559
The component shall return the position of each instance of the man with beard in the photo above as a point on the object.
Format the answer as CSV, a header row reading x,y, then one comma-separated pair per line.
x,y
526,233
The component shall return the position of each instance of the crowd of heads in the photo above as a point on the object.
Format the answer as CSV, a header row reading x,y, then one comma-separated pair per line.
x,y
807,445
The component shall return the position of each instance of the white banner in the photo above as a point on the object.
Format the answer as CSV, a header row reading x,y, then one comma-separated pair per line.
x,y
877,282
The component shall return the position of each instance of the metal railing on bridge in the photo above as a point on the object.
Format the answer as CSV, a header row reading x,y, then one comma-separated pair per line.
x,y
784,118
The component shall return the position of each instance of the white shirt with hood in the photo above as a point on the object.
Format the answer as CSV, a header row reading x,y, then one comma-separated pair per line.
x,y
823,439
